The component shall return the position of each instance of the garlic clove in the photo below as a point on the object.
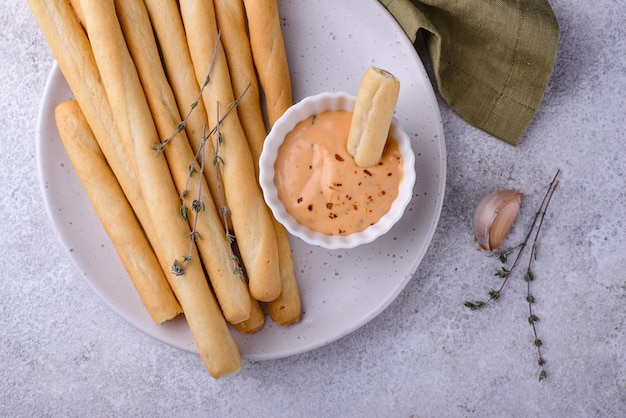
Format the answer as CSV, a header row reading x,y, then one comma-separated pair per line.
x,y
494,217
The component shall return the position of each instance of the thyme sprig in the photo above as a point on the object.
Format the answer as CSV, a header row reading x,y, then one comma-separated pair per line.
x,y
529,277
505,272
198,205
182,125
178,268
223,209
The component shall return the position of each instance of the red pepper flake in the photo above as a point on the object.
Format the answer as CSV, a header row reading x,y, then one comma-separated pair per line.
x,y
382,193
300,200
338,157
355,206
329,205
389,174
367,172
332,215
310,208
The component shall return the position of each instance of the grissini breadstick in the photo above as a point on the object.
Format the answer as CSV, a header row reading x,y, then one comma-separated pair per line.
x,y
230,289
77,9
255,321
170,33
231,18
73,53
134,122
270,57
72,50
285,309
371,118
250,217
115,212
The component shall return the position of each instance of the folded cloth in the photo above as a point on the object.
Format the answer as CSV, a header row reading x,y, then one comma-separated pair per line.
x,y
491,59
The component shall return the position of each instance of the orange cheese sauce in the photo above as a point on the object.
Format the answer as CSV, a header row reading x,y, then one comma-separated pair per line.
x,y
322,187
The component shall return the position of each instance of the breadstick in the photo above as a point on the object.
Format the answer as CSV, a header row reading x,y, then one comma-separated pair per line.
x,y
371,118
170,33
285,309
134,122
250,216
255,320
73,53
115,212
230,289
270,57
78,11
232,19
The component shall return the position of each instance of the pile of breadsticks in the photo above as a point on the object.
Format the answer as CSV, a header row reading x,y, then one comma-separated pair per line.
x,y
142,71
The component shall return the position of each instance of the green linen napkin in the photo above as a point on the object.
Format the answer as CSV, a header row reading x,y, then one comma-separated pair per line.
x,y
492,59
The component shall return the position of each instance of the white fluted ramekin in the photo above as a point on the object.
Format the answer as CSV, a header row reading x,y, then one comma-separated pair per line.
x,y
300,111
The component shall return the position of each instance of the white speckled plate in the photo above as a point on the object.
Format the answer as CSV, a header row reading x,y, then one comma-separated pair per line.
x,y
329,45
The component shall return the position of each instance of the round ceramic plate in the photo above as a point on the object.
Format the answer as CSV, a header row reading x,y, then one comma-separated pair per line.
x,y
329,45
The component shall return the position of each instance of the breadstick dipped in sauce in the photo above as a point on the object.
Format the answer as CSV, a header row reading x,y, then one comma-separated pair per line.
x,y
320,184
371,118
338,172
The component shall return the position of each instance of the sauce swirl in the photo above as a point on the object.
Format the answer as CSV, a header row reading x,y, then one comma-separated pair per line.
x,y
322,187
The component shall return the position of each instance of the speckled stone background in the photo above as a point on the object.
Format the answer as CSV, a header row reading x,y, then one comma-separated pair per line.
x,y
64,353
